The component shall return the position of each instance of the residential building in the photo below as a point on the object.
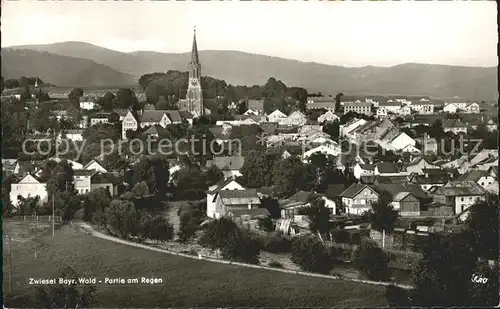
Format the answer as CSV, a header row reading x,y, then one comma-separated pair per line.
x,y
381,112
29,186
459,195
99,118
256,105
360,108
74,135
481,177
472,108
239,204
149,118
401,141
95,166
275,116
390,106
358,198
328,149
455,126
87,105
8,166
422,107
290,207
404,111
105,180
328,116
226,184
229,165
361,170
294,119
418,166
326,103
81,179
432,178
386,169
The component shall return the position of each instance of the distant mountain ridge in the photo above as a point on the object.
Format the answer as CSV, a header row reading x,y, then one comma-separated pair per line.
x,y
240,68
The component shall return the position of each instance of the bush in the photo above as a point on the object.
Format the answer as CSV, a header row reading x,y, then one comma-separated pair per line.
x,y
371,260
157,227
277,243
275,264
235,244
266,224
311,254
189,223
341,236
99,218
122,218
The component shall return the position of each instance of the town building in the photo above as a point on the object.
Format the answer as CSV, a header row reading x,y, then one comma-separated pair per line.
x,y
358,199
360,108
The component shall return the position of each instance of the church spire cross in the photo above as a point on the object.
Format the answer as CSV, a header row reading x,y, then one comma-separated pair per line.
x,y
194,50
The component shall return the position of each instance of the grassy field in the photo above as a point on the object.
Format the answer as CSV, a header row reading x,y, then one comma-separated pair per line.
x,y
186,282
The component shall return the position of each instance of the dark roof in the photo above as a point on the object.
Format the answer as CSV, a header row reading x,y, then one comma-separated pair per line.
x,y
104,178
186,115
269,127
457,188
238,197
334,190
354,189
391,179
395,189
83,172
368,167
156,115
253,213
453,123
473,175
387,168
149,107
227,163
221,184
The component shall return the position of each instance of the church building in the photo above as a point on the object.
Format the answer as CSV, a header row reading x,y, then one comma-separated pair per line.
x,y
193,102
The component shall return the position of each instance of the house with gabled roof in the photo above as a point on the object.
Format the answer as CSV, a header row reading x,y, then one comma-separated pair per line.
x,y
290,207
388,169
360,170
455,126
275,116
229,165
430,178
29,186
225,184
401,141
459,195
406,198
358,198
481,177
108,181
418,165
242,205
149,118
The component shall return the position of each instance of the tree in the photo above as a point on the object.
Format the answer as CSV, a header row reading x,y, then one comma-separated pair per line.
x,y
189,223
442,278
126,99
223,234
96,200
114,117
123,218
436,130
26,206
156,227
12,83
164,104
266,224
190,182
213,175
382,215
272,205
140,189
61,177
74,295
482,222
338,99
311,254
371,260
2,84
154,170
319,217
106,101
288,176
333,129
242,107
257,169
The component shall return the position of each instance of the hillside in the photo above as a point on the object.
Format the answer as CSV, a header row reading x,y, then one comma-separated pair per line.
x,y
60,70
248,69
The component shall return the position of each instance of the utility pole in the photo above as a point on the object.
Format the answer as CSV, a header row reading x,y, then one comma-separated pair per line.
x,y
36,232
53,216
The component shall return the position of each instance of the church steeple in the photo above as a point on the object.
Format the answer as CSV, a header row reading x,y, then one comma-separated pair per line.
x,y
194,50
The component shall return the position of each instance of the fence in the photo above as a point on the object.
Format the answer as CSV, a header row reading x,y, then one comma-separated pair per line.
x,y
36,218
90,231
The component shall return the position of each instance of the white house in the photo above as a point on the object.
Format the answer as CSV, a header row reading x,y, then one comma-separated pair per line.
x,y
358,198
390,106
229,165
227,184
74,135
451,108
88,105
481,177
472,108
381,112
294,119
401,141
327,117
29,186
404,111
275,116
422,107
328,149
81,179
360,170
96,166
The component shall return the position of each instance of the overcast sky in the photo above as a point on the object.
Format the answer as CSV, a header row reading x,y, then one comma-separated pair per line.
x,y
338,33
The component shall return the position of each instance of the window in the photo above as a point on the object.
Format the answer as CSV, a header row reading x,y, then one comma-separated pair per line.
x,y
462,199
